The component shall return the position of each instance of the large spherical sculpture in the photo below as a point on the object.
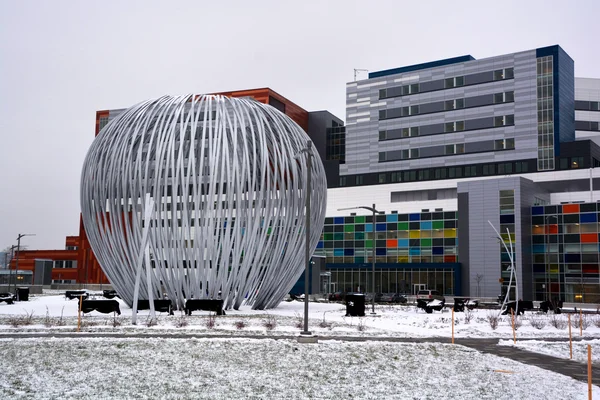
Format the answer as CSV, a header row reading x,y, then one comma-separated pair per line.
x,y
201,197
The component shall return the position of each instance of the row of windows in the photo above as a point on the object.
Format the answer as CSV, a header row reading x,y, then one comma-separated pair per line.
x,y
65,264
587,126
466,171
448,83
447,150
436,216
448,105
448,127
587,105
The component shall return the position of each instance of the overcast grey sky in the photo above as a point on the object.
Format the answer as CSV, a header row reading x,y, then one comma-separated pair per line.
x,y
60,61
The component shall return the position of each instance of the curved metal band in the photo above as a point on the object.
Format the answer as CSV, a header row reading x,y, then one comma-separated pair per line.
x,y
228,214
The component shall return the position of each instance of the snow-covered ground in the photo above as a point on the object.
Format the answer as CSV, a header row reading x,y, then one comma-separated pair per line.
x,y
52,312
267,369
559,349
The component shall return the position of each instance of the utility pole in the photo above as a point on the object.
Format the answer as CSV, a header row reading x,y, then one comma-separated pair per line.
x,y
17,262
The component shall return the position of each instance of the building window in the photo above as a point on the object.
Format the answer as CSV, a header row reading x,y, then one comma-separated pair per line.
x,y
102,122
343,178
545,113
505,73
454,82
359,180
382,178
506,97
456,126
396,177
455,104
504,144
504,120
455,148
576,162
414,153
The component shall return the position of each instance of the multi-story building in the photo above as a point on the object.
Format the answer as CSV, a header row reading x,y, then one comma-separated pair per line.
x,y
487,140
445,150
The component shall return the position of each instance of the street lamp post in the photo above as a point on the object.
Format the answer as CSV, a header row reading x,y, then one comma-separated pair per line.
x,y
17,262
374,210
308,151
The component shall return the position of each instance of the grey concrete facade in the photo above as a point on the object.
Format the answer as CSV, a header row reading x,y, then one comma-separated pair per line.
x,y
480,255
363,123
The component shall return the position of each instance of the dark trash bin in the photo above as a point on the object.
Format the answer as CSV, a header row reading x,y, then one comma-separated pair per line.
x,y
23,294
459,304
355,305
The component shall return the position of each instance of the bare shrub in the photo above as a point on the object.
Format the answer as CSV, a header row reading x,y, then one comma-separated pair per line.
x,y
558,322
492,319
518,322
239,325
48,320
361,327
150,322
582,321
181,322
116,321
299,321
596,322
87,323
21,320
468,316
211,321
270,322
537,321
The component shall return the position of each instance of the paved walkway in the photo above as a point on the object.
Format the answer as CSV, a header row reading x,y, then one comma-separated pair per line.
x,y
571,368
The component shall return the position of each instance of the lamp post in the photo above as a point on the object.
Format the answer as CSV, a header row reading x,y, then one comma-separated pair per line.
x,y
18,251
374,210
308,151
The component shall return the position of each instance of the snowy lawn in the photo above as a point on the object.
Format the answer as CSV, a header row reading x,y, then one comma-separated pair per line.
x,y
267,369
559,349
54,313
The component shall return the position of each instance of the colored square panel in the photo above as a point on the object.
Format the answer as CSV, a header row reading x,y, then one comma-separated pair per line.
x,y
391,243
368,243
589,217
403,243
537,210
449,233
450,258
320,245
539,248
369,228
338,252
414,251
426,225
507,219
414,234
381,227
348,252
414,217
403,259
348,228
338,220
359,235
381,252
437,225
589,238
359,219
570,208
328,236
425,242
338,236
552,229
437,251
391,218
402,226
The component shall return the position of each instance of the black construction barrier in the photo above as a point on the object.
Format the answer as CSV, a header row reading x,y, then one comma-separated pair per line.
x,y
75,294
204,305
160,305
102,306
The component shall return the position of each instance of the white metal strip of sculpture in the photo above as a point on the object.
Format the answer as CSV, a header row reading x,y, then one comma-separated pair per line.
x,y
228,215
